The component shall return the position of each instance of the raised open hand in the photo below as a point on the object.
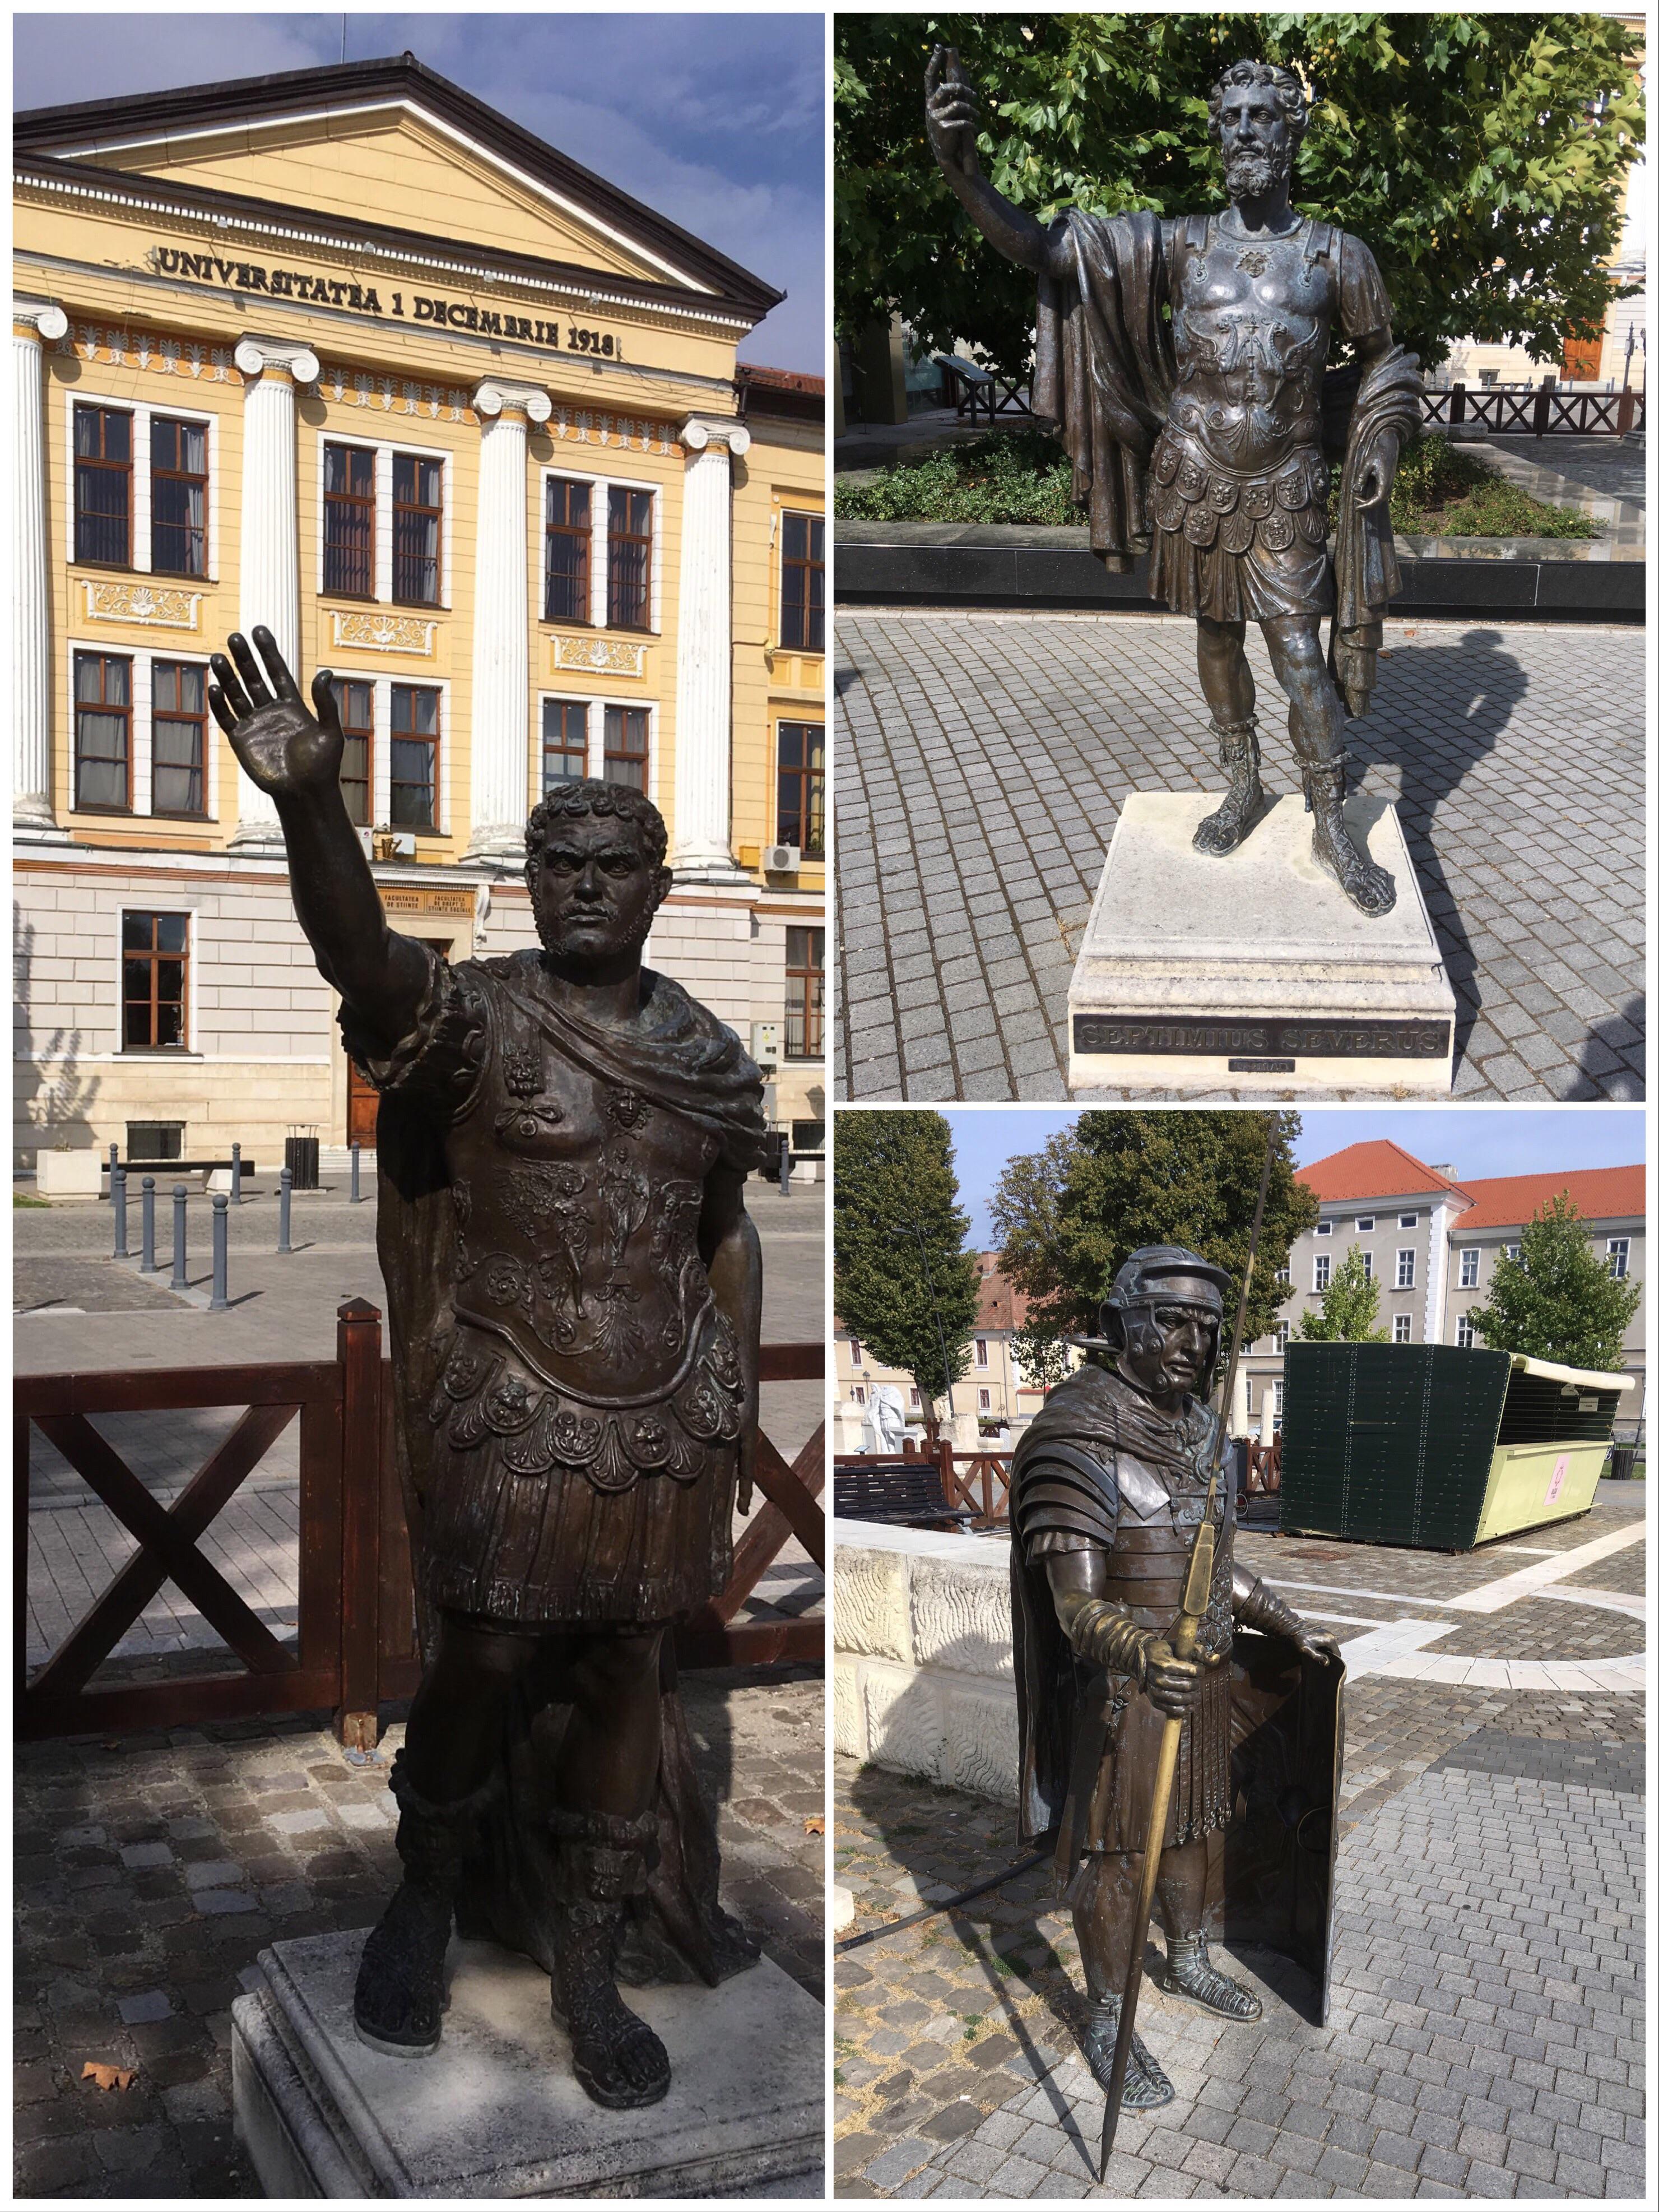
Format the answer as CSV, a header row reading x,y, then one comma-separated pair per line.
x,y
285,749
953,113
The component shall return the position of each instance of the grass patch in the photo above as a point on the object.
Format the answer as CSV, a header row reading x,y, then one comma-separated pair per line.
x,y
43,1204
1440,490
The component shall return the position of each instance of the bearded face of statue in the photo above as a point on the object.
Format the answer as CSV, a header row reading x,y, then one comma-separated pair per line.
x,y
1257,149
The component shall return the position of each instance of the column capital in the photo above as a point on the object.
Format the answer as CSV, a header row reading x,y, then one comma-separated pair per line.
x,y
254,356
700,431
45,316
497,394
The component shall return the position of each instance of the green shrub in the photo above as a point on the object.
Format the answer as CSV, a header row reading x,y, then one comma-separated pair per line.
x,y
1440,490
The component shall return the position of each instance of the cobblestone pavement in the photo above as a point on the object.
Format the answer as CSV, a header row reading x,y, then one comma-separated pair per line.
x,y
982,757
150,1874
1486,2025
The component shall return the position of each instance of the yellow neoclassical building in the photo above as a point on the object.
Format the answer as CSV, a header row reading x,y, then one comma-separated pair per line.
x,y
346,353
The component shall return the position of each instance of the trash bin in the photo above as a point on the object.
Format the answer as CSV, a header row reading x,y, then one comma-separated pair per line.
x,y
300,1158
1621,1463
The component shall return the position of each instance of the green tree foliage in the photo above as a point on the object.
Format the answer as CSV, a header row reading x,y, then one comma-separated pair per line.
x,y
1480,157
1068,1217
1558,1301
1349,1314
1042,1358
904,1282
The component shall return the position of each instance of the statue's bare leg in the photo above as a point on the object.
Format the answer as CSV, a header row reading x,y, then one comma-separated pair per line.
x,y
443,1780
1183,1881
603,1831
1316,722
1103,1918
1230,690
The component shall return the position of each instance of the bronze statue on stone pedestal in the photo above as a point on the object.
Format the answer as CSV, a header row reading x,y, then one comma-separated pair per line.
x,y
575,1289
1184,363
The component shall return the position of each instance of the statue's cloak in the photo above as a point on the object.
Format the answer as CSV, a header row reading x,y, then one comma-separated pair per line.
x,y
1104,375
679,1056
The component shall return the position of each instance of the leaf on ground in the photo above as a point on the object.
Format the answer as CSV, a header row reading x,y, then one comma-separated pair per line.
x,y
109,2077
814,1826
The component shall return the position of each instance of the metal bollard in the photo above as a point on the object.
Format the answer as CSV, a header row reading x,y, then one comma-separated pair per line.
x,y
235,1175
783,1163
114,1158
356,1171
117,1199
219,1301
180,1201
146,1261
284,1200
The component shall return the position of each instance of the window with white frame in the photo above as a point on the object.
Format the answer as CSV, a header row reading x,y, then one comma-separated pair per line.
x,y
1405,1268
855,1352
140,733
1409,1221
140,488
858,1394
1278,1340
1465,1333
1365,1223
1365,1264
1284,1274
1618,1257
1322,1271
981,1352
915,1396
1402,1328
1322,1228
985,1402
1468,1268
564,741
383,537
601,564
1511,1251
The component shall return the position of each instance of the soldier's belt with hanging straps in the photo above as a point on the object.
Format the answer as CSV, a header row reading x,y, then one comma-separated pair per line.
x,y
1207,504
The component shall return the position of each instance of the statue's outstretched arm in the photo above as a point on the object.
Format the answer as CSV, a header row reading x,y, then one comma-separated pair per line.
x,y
952,128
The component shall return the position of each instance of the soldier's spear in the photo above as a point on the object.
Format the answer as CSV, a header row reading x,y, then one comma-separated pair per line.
x,y
1183,1642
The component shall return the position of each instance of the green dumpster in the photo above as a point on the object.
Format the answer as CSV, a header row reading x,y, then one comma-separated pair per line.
x,y
1438,1449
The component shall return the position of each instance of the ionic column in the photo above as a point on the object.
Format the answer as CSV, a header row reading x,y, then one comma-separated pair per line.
x,y
702,708
274,368
501,622
32,321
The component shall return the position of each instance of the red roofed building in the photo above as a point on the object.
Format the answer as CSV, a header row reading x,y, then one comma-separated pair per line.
x,y
1433,1237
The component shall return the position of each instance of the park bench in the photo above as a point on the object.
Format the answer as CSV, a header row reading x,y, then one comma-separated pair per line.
x,y
907,1491
969,388
185,1167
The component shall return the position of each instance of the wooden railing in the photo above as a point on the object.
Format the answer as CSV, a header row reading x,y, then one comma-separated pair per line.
x,y
979,1480
1541,413
356,1647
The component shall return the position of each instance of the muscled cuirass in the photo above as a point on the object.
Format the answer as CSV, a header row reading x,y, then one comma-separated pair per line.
x,y
577,1204
1252,322
1157,1521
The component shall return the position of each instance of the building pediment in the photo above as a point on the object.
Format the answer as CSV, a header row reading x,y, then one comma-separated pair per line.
x,y
389,144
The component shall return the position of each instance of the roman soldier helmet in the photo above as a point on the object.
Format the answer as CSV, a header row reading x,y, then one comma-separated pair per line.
x,y
1160,1274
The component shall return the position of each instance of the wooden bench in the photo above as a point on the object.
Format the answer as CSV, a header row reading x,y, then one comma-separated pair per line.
x,y
181,1167
969,388
907,1491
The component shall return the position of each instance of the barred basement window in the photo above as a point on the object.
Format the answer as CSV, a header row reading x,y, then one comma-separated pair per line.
x,y
178,497
103,485
155,979
349,522
568,551
801,622
177,738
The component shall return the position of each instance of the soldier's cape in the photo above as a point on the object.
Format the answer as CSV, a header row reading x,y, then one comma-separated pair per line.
x,y
680,1057
1280,1843
1105,371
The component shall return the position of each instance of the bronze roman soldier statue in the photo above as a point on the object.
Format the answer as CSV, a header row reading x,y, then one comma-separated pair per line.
x,y
575,1289
1184,360
1107,1493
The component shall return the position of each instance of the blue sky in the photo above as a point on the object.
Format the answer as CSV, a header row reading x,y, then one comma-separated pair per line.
x,y
1472,1140
716,121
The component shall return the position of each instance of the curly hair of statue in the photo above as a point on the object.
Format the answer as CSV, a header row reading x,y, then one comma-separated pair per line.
x,y
1293,99
587,794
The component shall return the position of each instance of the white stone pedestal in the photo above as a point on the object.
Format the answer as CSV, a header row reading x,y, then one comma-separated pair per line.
x,y
1255,970
496,2111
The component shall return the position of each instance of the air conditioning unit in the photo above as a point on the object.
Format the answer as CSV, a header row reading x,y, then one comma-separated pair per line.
x,y
781,860
766,1043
